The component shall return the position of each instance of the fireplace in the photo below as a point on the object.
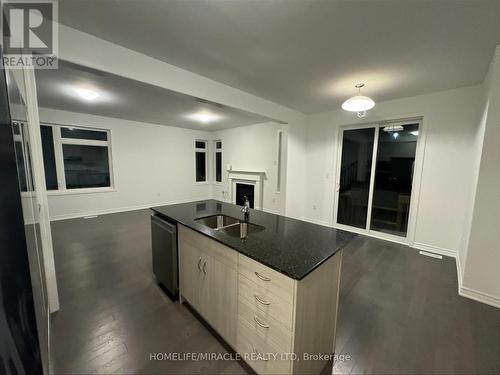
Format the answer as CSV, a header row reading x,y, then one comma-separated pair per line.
x,y
243,190
245,182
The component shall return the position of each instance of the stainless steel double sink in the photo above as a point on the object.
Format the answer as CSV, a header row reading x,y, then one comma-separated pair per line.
x,y
230,225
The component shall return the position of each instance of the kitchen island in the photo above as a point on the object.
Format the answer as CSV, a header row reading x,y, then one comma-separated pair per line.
x,y
267,285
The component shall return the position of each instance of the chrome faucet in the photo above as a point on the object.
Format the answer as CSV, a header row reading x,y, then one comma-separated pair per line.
x,y
246,207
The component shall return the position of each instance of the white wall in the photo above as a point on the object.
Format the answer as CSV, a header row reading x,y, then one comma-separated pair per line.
x,y
476,150
450,122
480,260
153,164
252,148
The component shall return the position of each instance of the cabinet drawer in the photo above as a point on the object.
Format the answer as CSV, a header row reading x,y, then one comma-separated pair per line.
x,y
267,328
262,356
265,301
265,277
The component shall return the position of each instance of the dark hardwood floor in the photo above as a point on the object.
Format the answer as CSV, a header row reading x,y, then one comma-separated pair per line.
x,y
399,311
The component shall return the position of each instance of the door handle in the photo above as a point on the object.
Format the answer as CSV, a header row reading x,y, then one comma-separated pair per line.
x,y
261,300
257,320
261,357
199,267
263,278
205,267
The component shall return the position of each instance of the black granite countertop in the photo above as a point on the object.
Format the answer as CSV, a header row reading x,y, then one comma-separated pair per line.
x,y
290,246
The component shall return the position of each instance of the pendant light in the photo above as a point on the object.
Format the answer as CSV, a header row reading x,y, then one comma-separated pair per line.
x,y
358,103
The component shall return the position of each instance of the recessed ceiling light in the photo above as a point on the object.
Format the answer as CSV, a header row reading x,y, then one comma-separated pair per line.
x,y
204,117
87,94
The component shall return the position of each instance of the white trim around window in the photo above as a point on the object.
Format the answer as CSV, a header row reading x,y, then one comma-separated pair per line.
x,y
59,141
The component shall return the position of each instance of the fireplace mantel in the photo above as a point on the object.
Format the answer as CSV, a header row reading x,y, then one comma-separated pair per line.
x,y
245,171
250,177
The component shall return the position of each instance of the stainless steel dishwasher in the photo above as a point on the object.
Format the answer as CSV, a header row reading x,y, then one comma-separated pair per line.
x,y
164,246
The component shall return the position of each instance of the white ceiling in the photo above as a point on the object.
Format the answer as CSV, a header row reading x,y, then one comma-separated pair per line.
x,y
306,54
131,100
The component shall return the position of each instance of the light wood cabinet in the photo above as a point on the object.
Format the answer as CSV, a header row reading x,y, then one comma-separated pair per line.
x,y
264,315
208,281
190,277
223,300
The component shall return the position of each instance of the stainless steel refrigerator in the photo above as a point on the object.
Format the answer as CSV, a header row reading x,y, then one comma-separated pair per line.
x,y
24,317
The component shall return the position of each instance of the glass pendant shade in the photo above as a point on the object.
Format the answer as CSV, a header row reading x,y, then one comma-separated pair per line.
x,y
358,103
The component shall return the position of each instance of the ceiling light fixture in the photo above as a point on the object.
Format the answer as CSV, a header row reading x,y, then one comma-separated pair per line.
x,y
87,94
415,133
204,117
358,103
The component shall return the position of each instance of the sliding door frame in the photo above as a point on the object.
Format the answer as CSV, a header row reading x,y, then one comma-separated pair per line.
x,y
416,180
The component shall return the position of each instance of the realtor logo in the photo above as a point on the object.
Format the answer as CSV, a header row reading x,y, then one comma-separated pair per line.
x,y
29,33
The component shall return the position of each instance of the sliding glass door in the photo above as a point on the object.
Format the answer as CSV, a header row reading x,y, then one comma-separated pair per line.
x,y
375,177
355,174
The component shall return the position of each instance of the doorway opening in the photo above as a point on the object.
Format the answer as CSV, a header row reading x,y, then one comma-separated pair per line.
x,y
375,178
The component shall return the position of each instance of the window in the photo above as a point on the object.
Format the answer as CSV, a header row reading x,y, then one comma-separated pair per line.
x,y
278,163
75,133
218,161
49,157
86,166
200,148
76,158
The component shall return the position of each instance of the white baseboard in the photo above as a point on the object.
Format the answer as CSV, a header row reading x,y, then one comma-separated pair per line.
x,y
459,272
315,221
117,210
479,296
271,211
435,249
472,293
